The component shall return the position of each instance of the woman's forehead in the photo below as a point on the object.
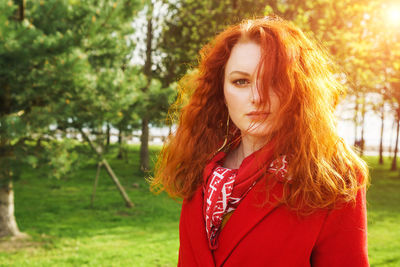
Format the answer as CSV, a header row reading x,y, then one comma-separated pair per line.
x,y
245,57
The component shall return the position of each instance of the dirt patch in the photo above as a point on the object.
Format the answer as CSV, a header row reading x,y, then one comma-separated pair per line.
x,y
22,242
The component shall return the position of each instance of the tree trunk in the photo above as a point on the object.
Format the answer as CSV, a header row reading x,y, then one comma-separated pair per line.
x,y
362,142
381,137
108,136
111,173
96,180
8,224
391,139
20,12
144,138
144,145
355,120
394,161
121,190
120,152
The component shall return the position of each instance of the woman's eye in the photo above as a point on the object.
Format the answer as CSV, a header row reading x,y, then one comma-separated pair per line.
x,y
241,82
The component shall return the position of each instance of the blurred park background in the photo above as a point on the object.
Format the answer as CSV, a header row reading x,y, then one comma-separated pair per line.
x,y
85,87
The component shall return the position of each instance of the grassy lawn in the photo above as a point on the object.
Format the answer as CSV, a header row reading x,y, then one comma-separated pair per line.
x,y
66,231
383,215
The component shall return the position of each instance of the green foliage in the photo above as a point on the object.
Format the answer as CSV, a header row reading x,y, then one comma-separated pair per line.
x,y
190,24
60,158
155,101
63,65
50,158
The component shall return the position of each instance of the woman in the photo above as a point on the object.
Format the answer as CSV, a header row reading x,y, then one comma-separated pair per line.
x,y
265,178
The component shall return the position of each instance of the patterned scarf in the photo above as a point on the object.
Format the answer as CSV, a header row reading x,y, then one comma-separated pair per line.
x,y
225,188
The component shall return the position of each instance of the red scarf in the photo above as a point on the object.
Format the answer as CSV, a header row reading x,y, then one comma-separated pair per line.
x,y
225,188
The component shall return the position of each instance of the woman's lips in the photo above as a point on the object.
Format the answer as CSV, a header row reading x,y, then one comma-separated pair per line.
x,y
257,115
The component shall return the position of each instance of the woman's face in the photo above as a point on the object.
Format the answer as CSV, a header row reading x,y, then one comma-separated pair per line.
x,y
241,95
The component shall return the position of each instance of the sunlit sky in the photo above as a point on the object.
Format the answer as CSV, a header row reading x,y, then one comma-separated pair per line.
x,y
393,14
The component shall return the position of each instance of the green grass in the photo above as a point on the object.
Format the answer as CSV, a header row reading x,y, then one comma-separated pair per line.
x,y
383,215
66,231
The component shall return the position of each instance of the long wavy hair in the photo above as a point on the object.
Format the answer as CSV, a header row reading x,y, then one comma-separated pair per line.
x,y
323,169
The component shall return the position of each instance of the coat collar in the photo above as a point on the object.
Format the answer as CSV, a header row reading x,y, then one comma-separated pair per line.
x,y
251,210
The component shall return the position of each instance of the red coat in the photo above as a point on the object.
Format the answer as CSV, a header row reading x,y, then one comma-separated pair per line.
x,y
273,236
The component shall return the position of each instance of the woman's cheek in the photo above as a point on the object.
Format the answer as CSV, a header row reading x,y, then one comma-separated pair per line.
x,y
237,96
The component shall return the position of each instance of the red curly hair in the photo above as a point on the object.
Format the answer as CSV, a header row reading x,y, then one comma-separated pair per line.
x,y
322,167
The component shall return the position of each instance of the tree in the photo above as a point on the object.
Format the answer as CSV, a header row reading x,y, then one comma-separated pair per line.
x,y
144,139
385,55
155,97
61,66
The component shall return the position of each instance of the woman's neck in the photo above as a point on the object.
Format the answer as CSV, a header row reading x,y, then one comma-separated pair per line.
x,y
247,146
250,144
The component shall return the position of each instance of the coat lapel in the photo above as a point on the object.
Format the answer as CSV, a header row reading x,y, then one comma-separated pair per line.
x,y
192,212
196,230
251,210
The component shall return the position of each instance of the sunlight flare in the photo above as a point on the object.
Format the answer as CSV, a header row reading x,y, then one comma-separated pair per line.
x,y
393,15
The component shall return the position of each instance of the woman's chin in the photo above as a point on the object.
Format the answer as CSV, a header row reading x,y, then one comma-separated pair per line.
x,y
257,133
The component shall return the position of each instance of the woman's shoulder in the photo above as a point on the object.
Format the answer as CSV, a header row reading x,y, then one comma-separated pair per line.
x,y
342,240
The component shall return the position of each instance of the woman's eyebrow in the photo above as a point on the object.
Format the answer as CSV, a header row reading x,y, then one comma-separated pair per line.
x,y
239,72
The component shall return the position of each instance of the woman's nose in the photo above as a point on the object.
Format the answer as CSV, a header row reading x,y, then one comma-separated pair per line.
x,y
255,96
